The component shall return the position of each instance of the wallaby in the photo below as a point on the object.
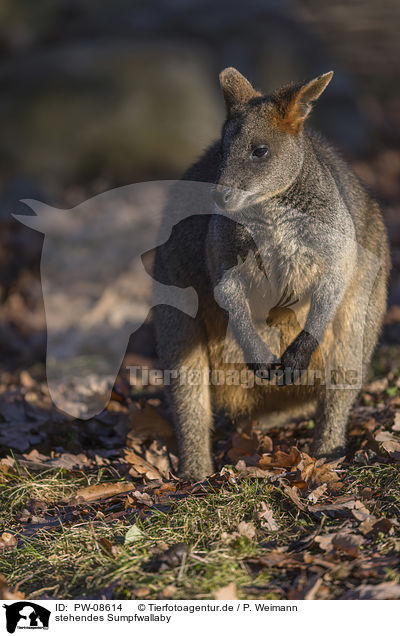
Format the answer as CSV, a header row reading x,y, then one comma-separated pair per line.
x,y
295,243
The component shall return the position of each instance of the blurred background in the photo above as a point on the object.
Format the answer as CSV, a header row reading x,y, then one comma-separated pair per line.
x,y
96,94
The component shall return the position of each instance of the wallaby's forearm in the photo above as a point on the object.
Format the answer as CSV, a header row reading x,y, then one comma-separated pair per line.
x,y
325,300
230,294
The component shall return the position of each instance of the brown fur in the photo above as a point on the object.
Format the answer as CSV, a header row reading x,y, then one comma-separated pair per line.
x,y
236,88
292,104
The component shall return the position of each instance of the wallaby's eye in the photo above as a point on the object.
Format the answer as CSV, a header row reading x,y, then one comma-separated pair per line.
x,y
260,152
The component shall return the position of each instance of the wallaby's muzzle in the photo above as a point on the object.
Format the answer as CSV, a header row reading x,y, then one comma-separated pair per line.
x,y
229,199
222,196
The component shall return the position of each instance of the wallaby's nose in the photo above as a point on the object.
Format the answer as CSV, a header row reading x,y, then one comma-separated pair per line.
x,y
221,196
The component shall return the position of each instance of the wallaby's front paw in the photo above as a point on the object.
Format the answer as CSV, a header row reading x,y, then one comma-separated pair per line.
x,y
260,369
297,356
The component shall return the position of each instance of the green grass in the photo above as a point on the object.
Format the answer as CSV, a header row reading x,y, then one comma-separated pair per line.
x,y
72,560
76,558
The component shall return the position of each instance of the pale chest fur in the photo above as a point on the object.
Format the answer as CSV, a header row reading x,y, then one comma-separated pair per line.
x,y
290,262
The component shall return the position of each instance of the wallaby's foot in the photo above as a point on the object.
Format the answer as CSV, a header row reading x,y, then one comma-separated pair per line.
x,y
330,451
260,369
195,471
332,415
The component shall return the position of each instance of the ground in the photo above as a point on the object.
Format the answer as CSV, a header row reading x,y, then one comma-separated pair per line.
x,y
113,522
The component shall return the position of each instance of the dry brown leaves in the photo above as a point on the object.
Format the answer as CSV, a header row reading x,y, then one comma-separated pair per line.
x,y
5,592
8,541
346,542
156,459
390,444
306,473
101,491
254,455
147,423
139,467
266,518
383,591
244,529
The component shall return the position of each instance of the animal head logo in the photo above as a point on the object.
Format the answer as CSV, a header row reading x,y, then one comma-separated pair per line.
x,y
26,615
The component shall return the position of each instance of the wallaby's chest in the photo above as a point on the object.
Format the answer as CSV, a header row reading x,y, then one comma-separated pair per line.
x,y
289,266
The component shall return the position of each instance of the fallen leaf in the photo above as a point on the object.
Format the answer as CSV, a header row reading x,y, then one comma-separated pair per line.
x,y
247,530
101,491
134,534
266,444
376,567
169,592
377,386
390,443
253,471
361,512
307,591
347,542
244,444
280,459
278,559
140,497
244,530
384,526
226,593
339,508
305,542
266,517
141,592
5,592
70,461
140,467
317,493
292,494
108,546
317,472
396,423
325,541
366,526
147,423
381,592
26,379
8,541
312,588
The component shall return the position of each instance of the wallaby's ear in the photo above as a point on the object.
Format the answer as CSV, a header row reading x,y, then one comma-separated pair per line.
x,y
293,103
236,88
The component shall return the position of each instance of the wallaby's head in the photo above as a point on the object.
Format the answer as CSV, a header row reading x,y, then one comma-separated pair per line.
x,y
262,144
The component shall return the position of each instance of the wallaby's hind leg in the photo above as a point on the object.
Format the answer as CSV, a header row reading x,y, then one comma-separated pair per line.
x,y
358,342
331,422
183,350
193,422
